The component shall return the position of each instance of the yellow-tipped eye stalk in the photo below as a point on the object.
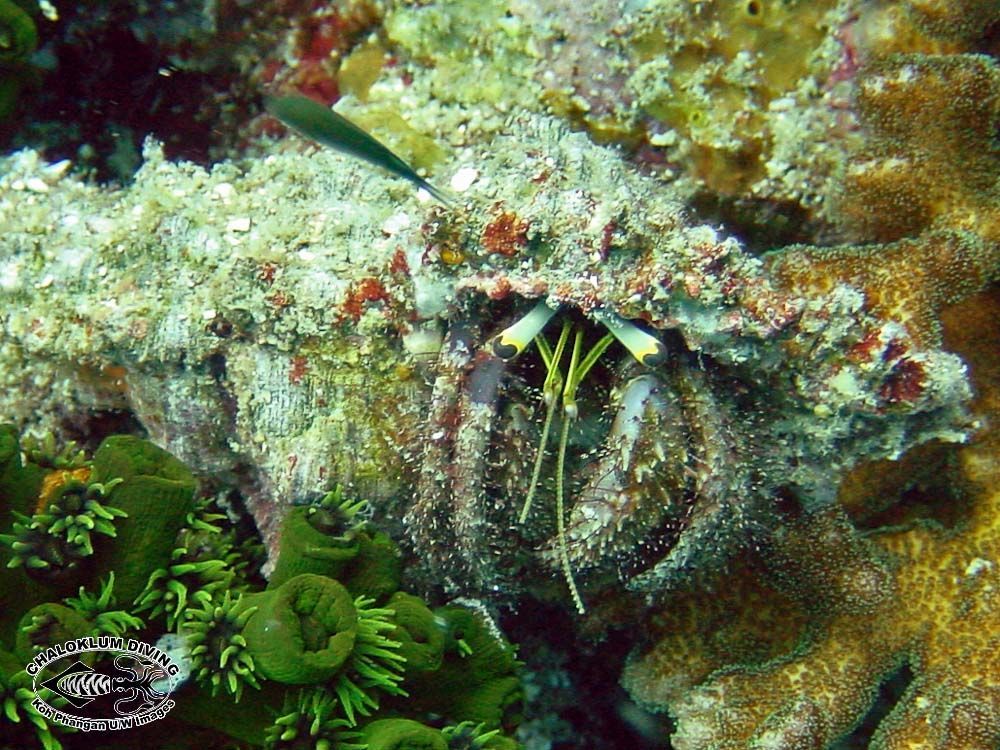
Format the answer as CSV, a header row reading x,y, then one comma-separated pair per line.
x,y
647,349
513,340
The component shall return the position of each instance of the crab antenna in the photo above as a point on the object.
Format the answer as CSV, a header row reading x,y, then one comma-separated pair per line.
x,y
561,522
513,340
550,394
569,413
646,348
577,372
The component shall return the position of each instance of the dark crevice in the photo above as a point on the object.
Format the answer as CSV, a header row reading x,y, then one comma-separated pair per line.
x,y
889,693
89,428
589,700
761,225
99,90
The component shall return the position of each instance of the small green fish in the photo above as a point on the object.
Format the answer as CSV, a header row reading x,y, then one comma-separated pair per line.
x,y
325,126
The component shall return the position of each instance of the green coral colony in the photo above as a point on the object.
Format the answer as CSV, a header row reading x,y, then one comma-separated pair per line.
x,y
328,654
18,39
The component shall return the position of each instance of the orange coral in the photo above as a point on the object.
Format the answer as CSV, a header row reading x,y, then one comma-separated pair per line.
x,y
927,184
929,160
55,480
807,638
908,281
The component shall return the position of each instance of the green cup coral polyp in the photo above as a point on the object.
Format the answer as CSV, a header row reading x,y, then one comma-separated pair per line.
x,y
304,630
18,36
402,734
75,510
54,541
477,679
170,590
16,696
309,721
42,555
157,493
19,480
319,538
47,624
205,564
311,630
220,657
99,610
419,633
338,660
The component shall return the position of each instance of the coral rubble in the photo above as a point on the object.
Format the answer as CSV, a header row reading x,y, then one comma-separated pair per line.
x,y
721,79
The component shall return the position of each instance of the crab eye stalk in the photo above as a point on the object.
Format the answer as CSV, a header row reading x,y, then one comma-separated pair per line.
x,y
513,340
647,349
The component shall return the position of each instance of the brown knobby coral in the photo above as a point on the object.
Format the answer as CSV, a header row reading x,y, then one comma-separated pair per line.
x,y
927,26
790,649
926,185
908,281
929,160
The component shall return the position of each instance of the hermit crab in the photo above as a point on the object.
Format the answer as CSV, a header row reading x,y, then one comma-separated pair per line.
x,y
614,390
647,451
644,454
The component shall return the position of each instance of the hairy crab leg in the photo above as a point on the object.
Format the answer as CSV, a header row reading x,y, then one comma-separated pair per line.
x,y
429,519
477,410
640,477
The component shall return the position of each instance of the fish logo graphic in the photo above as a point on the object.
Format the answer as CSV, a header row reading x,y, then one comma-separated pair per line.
x,y
127,691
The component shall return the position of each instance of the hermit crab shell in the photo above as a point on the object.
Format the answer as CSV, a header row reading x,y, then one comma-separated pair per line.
x,y
308,321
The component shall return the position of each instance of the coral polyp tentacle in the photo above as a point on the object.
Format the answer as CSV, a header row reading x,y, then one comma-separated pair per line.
x,y
219,655
309,720
58,537
167,590
98,609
